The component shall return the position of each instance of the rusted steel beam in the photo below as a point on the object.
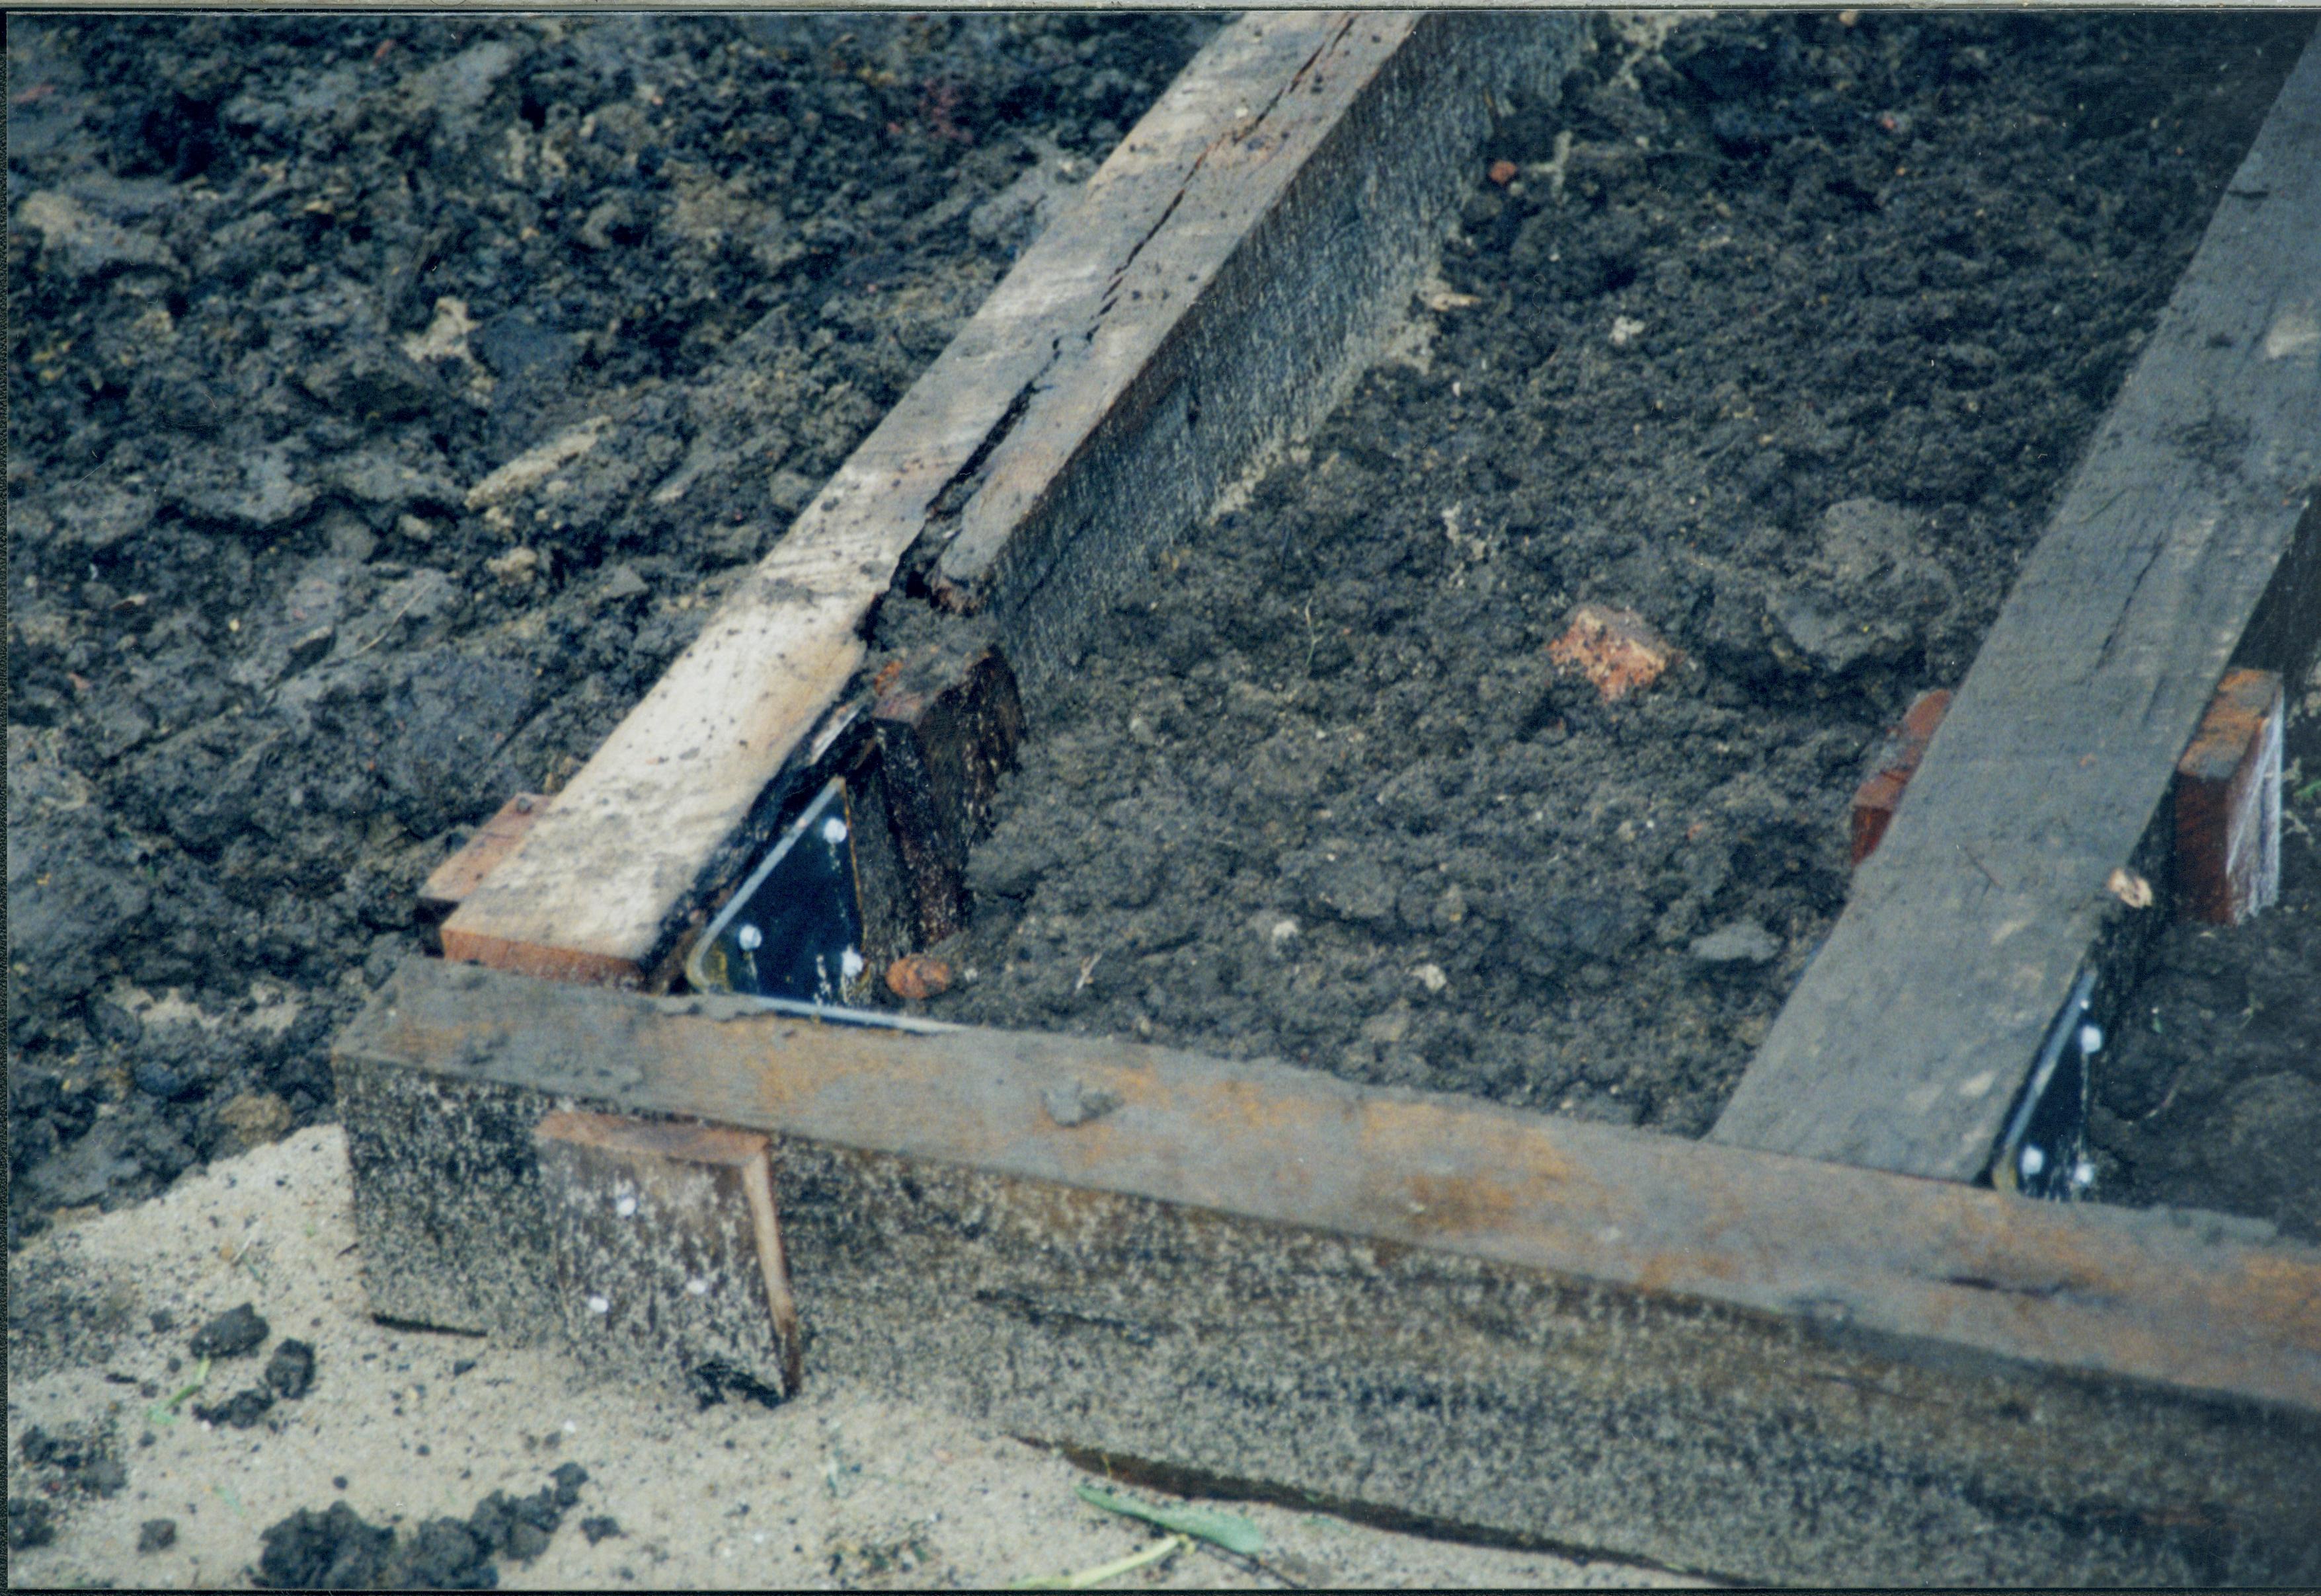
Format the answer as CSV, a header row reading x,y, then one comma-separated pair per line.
x,y
1703,1355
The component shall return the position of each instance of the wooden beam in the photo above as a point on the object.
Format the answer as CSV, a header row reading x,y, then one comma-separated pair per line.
x,y
1710,1357
1905,1043
1207,247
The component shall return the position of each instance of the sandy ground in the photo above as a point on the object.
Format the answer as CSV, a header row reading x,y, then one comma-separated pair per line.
x,y
844,1487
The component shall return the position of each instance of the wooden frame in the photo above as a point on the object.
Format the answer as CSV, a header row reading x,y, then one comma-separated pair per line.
x,y
1852,1366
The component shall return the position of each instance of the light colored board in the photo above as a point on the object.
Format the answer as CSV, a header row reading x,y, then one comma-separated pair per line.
x,y
1905,1043
682,791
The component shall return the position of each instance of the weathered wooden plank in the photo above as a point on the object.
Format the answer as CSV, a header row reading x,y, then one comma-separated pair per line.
x,y
1903,1045
1302,225
668,1251
687,787
1711,1358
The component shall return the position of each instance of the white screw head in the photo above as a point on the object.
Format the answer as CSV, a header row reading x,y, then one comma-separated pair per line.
x,y
2032,1161
599,1305
626,1207
2090,1040
749,938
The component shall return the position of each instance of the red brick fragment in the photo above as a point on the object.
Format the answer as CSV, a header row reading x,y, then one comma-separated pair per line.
x,y
2228,803
1614,648
1875,798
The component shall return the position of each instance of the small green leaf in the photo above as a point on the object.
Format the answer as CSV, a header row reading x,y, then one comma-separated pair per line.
x,y
1229,1530
166,1413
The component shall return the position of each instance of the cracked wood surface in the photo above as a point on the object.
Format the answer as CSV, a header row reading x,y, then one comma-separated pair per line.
x,y
1036,404
1905,1043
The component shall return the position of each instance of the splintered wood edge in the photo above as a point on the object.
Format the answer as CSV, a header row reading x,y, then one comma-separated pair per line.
x,y
1907,1039
602,882
2114,1293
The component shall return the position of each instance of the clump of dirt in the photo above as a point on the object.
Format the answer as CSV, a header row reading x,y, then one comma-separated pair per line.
x,y
338,1550
1781,334
392,398
2211,1096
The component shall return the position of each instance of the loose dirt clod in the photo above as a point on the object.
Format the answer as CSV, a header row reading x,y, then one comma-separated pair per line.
x,y
231,1334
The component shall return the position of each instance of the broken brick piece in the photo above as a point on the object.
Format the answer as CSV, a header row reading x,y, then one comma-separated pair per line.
x,y
1616,649
451,883
2228,803
1875,798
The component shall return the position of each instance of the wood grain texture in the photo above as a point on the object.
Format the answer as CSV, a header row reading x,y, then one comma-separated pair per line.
x,y
1905,1043
669,1251
1719,1358
1190,213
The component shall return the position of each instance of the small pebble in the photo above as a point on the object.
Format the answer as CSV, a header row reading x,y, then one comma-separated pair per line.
x,y
1743,942
157,1535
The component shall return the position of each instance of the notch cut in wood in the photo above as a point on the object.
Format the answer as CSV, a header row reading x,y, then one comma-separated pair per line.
x,y
668,1251
2228,802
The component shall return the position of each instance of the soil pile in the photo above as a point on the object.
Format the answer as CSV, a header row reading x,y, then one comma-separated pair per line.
x,y
391,400
1779,333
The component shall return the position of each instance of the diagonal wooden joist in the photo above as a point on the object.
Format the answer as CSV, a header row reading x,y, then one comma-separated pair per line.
x,y
2187,541
1222,274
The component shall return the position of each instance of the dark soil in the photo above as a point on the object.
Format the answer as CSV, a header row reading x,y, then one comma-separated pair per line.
x,y
338,1550
284,290
2212,1097
1786,335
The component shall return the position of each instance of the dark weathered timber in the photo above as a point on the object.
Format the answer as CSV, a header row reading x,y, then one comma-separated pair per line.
x,y
1200,247
946,732
1702,1355
1905,1043
1236,327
